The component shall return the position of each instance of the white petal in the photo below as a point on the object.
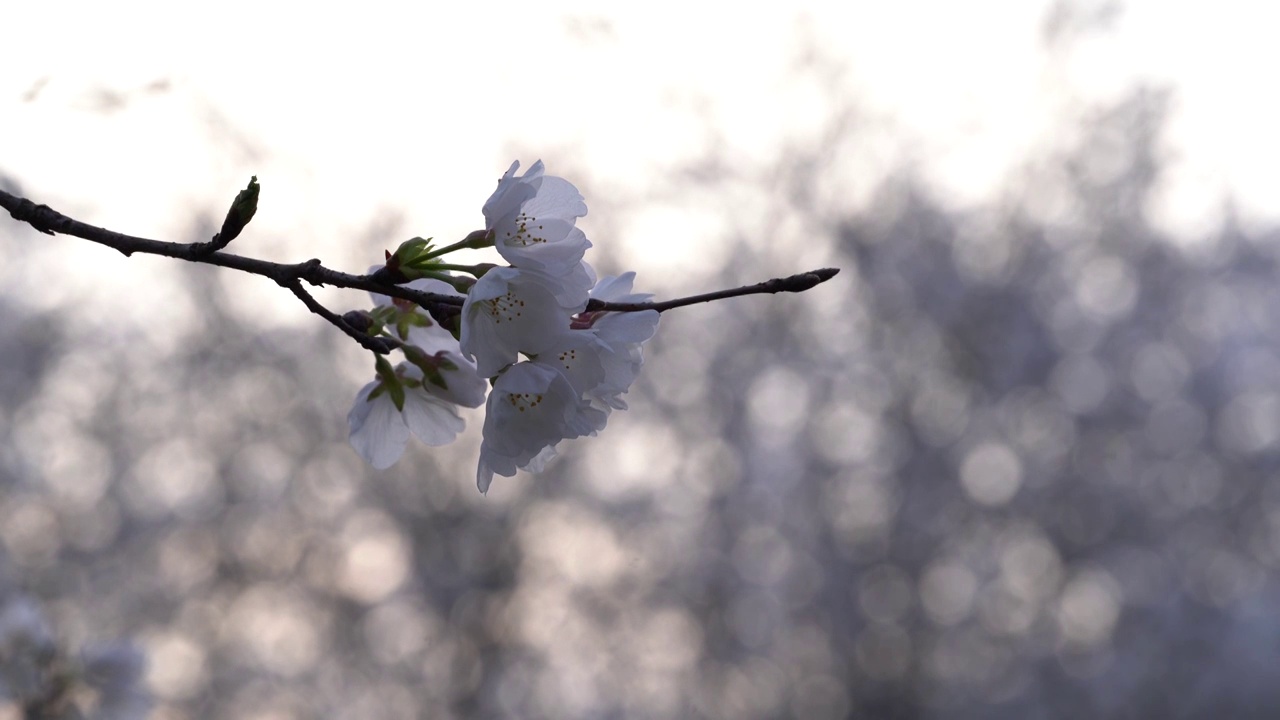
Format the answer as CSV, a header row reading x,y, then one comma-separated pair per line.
x,y
610,287
571,287
484,475
511,193
618,289
548,245
433,285
539,462
531,408
462,386
577,355
630,327
535,172
432,420
377,429
556,198
432,339
507,312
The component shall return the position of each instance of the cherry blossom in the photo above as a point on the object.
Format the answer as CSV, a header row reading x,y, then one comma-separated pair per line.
x,y
510,311
453,376
531,408
379,430
531,219
557,370
623,334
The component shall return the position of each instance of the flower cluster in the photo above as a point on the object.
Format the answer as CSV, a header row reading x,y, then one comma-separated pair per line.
x,y
557,371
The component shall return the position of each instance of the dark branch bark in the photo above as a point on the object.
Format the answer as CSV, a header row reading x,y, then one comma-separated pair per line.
x,y
51,222
795,283
367,341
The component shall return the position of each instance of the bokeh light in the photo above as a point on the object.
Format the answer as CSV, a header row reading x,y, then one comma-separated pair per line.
x,y
1016,460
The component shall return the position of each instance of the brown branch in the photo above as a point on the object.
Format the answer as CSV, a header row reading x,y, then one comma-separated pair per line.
x,y
375,344
795,283
49,221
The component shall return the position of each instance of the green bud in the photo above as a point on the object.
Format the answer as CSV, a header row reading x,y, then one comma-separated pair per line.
x,y
414,258
477,239
411,249
241,212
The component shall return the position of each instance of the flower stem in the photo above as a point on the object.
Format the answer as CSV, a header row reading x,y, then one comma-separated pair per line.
x,y
475,270
474,240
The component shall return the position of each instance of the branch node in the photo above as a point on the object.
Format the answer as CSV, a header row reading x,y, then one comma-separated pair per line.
x,y
41,217
240,213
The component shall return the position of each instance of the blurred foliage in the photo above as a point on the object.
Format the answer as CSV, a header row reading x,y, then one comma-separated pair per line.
x,y
1014,462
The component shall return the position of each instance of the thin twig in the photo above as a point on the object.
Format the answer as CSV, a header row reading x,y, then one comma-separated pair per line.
x,y
368,342
795,283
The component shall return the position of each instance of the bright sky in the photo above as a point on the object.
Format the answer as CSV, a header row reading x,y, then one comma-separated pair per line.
x,y
415,109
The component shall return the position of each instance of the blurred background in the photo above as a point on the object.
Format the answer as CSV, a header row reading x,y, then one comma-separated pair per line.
x,y
1018,460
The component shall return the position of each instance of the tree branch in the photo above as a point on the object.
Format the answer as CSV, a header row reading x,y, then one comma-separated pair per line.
x,y
795,283
378,345
49,221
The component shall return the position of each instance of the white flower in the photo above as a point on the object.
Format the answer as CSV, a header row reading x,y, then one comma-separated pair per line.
x,y
531,408
623,333
578,355
379,430
454,377
510,311
532,219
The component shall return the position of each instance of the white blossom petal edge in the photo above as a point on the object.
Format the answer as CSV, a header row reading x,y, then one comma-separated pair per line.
x,y
510,311
376,429
532,221
624,334
379,431
530,409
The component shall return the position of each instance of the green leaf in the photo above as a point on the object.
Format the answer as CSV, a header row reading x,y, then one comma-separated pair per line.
x,y
382,366
407,320
428,364
390,381
397,395
385,314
